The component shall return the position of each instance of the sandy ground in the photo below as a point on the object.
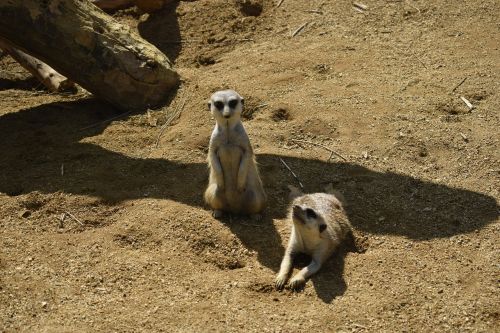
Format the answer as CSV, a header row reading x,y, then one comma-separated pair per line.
x,y
137,250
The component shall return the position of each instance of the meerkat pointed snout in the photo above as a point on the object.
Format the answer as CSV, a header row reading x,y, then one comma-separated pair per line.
x,y
234,182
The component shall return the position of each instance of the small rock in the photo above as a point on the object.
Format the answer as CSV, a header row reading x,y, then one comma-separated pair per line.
x,y
44,305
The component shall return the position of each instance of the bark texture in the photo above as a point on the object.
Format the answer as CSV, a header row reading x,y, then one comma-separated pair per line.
x,y
88,46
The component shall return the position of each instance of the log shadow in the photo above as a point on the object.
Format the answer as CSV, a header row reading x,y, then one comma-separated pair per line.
x,y
388,202
28,83
37,141
162,30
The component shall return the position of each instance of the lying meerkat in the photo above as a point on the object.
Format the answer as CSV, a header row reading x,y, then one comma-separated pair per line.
x,y
319,225
234,184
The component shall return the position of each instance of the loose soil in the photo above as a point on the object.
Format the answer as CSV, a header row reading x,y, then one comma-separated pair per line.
x,y
103,226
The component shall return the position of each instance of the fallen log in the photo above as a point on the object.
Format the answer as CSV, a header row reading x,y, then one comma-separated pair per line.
x,y
86,45
51,79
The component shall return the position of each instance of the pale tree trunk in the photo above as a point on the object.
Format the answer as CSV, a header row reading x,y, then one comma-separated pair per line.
x,y
89,47
51,79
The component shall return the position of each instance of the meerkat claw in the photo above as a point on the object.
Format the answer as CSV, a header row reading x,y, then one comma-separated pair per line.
x,y
279,282
297,283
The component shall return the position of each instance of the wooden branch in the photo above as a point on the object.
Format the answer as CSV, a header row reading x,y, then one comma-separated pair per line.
x,y
51,79
332,152
293,173
89,47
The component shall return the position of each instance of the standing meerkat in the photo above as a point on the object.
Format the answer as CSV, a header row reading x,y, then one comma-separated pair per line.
x,y
234,184
319,225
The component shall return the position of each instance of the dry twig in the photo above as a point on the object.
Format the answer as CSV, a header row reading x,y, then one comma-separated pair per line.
x,y
322,146
74,217
315,11
360,7
458,85
293,173
250,225
279,3
184,41
299,29
169,120
466,101
107,120
420,61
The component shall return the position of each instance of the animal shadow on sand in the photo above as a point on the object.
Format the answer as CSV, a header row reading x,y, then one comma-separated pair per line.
x,y
38,140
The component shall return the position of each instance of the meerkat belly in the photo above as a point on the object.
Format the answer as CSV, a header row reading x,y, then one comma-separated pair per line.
x,y
230,158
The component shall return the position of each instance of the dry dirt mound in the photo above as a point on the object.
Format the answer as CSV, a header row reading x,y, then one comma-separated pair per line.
x,y
102,222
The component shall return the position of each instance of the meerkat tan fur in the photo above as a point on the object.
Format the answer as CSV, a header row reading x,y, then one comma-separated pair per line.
x,y
319,225
234,184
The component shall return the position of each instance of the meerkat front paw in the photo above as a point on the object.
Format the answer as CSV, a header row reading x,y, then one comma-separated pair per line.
x,y
297,283
280,281
217,213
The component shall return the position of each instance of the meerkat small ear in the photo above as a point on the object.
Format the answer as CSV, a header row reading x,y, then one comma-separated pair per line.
x,y
322,227
294,192
329,188
339,196
209,105
242,101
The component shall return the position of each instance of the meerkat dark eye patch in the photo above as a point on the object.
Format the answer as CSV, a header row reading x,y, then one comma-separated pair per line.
x,y
219,105
311,214
233,103
322,227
